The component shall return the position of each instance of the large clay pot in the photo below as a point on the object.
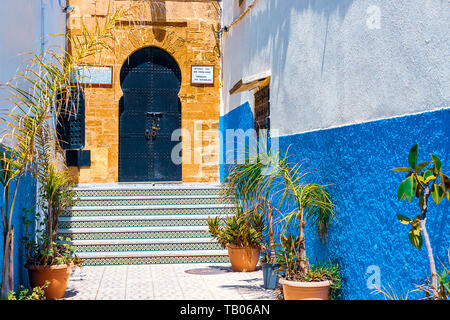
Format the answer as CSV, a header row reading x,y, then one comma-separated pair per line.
x,y
296,290
243,259
58,275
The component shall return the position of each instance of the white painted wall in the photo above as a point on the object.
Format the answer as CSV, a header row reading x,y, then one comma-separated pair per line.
x,y
340,62
23,24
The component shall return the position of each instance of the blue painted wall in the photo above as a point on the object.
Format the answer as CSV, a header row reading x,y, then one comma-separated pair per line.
x,y
356,160
25,201
239,118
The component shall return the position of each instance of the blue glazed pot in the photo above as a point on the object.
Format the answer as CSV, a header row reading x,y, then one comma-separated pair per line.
x,y
269,276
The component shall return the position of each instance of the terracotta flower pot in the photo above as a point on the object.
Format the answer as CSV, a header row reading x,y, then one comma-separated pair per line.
x,y
58,275
243,259
296,290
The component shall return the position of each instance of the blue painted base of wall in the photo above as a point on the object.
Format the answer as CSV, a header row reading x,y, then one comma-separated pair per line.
x,y
366,235
25,201
239,118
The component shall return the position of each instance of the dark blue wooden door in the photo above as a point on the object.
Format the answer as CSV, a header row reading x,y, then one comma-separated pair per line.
x,y
149,112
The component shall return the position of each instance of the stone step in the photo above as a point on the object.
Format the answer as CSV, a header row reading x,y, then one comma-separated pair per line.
x,y
68,222
145,245
135,233
116,224
105,201
114,189
193,209
154,257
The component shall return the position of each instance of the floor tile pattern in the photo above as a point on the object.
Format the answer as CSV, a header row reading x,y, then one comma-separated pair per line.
x,y
166,282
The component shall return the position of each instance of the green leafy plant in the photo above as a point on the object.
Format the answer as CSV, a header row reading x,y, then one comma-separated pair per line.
x,y
40,250
37,293
267,175
421,182
443,287
292,266
390,294
244,229
48,78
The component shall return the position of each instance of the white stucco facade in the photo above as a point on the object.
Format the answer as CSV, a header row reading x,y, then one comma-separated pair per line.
x,y
27,26
339,62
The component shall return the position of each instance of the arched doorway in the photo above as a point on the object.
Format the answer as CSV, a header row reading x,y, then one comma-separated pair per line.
x,y
149,112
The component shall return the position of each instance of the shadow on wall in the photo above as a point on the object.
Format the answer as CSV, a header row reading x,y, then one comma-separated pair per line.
x,y
158,13
278,35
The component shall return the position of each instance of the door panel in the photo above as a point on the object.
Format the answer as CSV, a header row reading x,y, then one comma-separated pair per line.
x,y
150,111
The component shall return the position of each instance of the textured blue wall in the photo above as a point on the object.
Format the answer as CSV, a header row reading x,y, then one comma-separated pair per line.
x,y
356,160
239,118
25,201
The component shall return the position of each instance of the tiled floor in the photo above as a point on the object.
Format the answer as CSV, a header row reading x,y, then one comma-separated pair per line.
x,y
167,282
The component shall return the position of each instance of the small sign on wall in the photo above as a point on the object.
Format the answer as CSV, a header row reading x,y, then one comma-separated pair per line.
x,y
93,75
202,74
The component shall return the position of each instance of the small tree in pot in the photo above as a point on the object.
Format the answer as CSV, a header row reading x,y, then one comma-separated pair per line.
x,y
422,182
252,183
291,266
309,202
49,257
267,175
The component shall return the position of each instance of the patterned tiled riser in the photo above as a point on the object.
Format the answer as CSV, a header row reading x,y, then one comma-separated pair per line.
x,y
148,247
174,190
145,224
135,235
105,211
156,260
134,223
146,201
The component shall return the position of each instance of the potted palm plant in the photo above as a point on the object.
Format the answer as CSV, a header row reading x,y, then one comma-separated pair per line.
x,y
252,182
49,257
47,76
320,281
310,203
269,180
242,235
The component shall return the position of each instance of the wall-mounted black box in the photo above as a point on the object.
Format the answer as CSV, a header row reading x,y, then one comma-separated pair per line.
x,y
78,158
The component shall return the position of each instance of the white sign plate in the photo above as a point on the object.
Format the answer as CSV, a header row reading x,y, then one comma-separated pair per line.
x,y
202,75
98,75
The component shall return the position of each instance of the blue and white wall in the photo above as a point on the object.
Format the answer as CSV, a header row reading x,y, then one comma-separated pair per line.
x,y
26,26
354,84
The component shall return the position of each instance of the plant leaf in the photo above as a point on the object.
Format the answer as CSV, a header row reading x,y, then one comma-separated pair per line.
x,y
409,186
415,239
401,191
412,157
402,169
437,163
437,193
421,165
445,182
403,219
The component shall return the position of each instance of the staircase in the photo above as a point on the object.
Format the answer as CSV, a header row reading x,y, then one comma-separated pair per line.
x,y
116,224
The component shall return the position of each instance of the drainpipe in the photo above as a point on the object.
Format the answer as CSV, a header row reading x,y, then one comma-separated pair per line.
x,y
44,18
